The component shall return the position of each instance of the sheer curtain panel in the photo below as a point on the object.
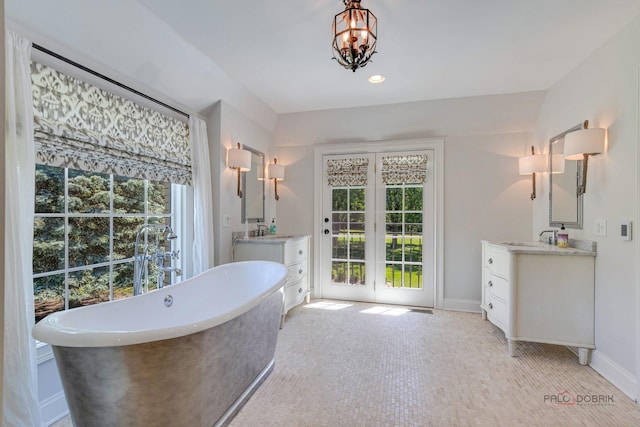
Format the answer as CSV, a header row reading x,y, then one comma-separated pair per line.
x,y
202,197
20,398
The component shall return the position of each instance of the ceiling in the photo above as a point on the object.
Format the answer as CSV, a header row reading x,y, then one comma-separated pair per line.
x,y
427,49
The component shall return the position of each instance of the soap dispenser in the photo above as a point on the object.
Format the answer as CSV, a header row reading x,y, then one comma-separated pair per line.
x,y
563,238
272,227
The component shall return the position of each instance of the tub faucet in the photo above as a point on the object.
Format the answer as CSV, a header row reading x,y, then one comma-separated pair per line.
x,y
141,260
160,256
553,239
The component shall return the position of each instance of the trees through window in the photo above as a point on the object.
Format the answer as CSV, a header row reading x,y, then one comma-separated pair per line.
x,y
84,235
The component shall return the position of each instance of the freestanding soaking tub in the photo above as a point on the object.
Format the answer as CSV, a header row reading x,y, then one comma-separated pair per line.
x,y
190,354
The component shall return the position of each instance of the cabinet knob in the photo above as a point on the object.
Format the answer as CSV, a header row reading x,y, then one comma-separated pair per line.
x,y
490,283
300,290
490,261
300,271
300,252
491,305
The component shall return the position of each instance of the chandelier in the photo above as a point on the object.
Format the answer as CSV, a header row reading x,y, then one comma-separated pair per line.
x,y
354,36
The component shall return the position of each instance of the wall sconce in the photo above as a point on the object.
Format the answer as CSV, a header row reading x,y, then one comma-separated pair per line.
x,y
276,172
581,144
535,163
240,160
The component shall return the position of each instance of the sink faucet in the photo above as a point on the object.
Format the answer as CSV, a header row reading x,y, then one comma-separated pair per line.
x,y
553,240
262,229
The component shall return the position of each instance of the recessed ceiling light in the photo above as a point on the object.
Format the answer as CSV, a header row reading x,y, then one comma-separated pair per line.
x,y
377,78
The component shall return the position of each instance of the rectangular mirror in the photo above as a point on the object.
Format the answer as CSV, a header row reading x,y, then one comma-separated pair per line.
x,y
565,205
253,188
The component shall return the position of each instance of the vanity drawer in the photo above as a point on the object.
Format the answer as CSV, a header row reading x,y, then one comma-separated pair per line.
x,y
497,311
297,271
498,286
294,293
497,261
296,250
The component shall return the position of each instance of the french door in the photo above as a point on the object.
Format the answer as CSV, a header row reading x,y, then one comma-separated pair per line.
x,y
378,228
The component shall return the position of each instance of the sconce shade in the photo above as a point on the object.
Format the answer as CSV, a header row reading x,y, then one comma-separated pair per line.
x,y
276,171
535,163
585,141
557,163
239,159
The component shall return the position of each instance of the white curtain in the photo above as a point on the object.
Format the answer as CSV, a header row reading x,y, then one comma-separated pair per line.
x,y
20,399
202,196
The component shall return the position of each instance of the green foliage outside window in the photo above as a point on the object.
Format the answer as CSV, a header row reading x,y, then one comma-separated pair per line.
x,y
94,225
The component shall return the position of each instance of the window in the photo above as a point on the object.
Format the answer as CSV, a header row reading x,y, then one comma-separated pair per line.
x,y
85,231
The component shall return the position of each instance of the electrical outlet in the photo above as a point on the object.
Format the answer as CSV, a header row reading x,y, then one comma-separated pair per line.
x,y
226,220
601,227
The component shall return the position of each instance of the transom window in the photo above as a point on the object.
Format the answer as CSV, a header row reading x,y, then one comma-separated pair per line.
x,y
84,235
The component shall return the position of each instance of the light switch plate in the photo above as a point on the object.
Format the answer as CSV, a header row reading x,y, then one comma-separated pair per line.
x,y
625,230
601,227
226,220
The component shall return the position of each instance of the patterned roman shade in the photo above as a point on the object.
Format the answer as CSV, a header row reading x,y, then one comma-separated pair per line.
x,y
342,172
405,169
81,126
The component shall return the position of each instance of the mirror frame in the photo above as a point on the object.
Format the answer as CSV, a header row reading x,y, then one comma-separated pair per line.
x,y
578,224
256,165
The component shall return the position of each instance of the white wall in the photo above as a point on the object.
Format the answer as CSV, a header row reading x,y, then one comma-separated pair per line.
x,y
604,90
484,196
226,126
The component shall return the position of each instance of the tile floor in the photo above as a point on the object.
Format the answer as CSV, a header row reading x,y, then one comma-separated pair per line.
x,y
357,364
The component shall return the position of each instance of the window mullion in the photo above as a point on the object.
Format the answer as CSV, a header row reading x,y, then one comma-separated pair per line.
x,y
111,234
66,238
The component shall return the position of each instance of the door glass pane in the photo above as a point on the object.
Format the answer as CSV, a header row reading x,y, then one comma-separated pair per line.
x,y
403,238
356,199
413,199
339,199
348,235
394,199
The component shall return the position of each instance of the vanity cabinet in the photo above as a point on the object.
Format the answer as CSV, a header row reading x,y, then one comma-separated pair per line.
x,y
292,251
540,293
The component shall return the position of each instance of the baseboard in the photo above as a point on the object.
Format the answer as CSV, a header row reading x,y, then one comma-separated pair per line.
x,y
468,305
53,409
615,374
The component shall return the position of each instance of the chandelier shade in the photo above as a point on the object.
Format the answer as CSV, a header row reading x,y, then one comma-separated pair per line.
x,y
355,34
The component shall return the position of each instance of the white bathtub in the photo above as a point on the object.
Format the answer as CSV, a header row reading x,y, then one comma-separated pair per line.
x,y
138,362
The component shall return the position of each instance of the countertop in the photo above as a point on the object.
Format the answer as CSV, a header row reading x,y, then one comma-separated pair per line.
x,y
271,238
539,248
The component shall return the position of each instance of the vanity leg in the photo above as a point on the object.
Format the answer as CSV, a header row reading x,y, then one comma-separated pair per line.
x,y
584,355
309,298
513,345
484,314
282,321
